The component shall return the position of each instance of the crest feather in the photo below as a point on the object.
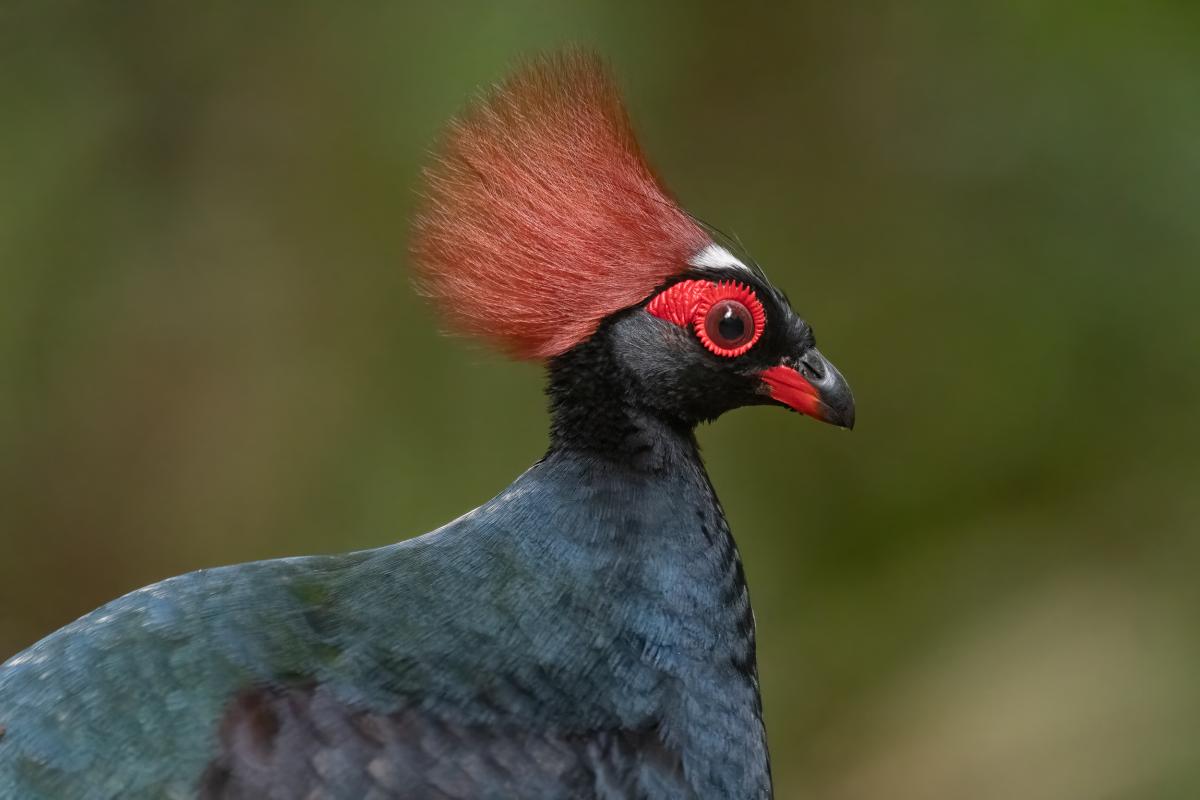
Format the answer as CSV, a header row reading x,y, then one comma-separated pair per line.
x,y
541,214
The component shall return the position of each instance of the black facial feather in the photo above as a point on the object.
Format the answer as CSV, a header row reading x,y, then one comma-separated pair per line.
x,y
638,366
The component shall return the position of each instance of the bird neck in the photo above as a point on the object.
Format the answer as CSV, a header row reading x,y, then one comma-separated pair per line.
x,y
595,411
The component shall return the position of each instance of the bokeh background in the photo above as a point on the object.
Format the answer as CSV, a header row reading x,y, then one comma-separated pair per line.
x,y
209,351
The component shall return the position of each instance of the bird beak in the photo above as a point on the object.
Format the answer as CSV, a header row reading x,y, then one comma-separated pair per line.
x,y
811,385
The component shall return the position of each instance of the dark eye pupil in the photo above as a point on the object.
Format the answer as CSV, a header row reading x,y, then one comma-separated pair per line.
x,y
731,326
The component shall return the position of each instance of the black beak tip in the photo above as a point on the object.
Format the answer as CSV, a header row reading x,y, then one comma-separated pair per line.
x,y
840,415
833,391
846,418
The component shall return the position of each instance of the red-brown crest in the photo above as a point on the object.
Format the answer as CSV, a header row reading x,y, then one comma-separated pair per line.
x,y
542,216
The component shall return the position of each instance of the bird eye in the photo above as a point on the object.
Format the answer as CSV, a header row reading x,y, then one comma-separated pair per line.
x,y
729,319
729,324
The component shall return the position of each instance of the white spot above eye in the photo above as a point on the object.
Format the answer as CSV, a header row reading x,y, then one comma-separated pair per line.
x,y
714,256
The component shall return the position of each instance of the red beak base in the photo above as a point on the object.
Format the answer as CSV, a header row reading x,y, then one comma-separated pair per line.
x,y
826,398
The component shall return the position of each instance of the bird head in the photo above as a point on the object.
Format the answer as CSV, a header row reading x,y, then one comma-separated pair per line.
x,y
545,231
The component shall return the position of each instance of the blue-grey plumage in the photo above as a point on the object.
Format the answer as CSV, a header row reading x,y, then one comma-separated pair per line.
x,y
557,606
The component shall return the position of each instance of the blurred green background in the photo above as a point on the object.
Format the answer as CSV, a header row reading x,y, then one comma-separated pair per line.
x,y
209,351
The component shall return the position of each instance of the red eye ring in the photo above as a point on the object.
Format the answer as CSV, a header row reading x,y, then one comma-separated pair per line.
x,y
691,302
722,304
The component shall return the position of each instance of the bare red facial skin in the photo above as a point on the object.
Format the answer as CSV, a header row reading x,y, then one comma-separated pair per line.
x,y
790,388
689,303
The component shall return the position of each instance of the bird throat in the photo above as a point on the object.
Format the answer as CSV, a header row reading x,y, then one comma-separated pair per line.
x,y
594,412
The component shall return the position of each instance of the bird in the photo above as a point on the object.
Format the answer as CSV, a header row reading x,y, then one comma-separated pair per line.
x,y
587,633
